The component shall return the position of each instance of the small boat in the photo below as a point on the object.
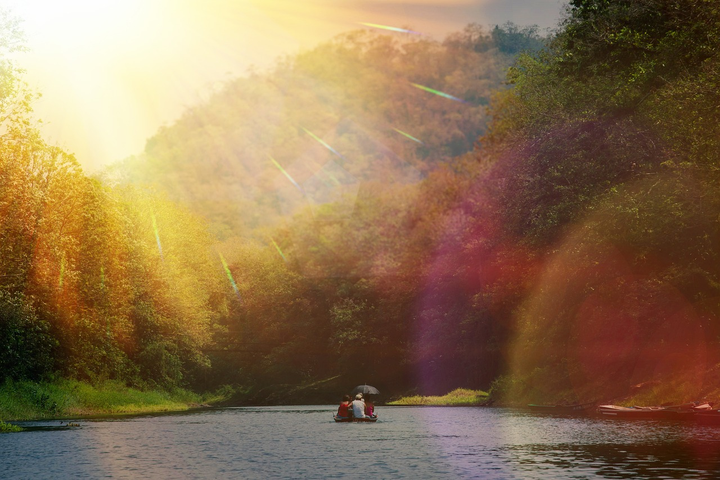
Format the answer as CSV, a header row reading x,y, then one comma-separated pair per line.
x,y
685,411
629,412
353,419
575,408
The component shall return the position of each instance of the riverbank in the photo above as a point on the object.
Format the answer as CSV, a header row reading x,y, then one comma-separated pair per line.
x,y
670,389
72,398
461,397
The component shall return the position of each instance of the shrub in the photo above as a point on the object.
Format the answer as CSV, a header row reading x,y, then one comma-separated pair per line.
x,y
26,346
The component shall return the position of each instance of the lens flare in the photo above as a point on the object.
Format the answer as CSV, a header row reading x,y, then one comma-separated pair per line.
x,y
325,178
409,136
229,275
287,175
331,176
392,29
323,143
62,270
157,236
437,92
278,249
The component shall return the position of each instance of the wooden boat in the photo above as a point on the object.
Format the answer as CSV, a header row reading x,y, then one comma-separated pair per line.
x,y
353,419
562,409
685,411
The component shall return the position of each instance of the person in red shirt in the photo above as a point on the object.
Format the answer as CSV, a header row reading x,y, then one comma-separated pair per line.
x,y
343,408
369,408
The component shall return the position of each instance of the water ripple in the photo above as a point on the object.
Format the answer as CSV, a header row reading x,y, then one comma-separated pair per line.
x,y
304,442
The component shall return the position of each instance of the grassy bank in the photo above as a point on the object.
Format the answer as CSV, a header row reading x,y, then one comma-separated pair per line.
x,y
71,398
459,397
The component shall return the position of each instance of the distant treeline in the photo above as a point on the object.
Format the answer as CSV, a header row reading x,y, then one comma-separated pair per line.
x,y
368,224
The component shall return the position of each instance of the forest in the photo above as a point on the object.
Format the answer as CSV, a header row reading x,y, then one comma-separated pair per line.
x,y
535,215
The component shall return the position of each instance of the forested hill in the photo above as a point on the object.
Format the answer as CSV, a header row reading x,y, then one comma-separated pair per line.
x,y
353,110
607,156
573,256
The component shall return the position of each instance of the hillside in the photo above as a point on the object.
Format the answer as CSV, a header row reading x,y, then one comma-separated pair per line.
x,y
370,219
323,122
607,147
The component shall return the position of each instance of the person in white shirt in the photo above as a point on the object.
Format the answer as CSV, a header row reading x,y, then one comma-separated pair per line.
x,y
358,406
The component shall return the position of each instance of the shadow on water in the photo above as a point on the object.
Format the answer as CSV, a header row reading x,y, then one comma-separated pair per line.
x,y
48,427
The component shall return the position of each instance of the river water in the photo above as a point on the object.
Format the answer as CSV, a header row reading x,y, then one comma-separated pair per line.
x,y
407,442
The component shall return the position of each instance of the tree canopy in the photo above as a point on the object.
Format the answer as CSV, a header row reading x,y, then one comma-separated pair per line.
x,y
541,213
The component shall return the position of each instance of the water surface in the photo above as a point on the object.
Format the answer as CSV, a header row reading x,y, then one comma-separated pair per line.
x,y
407,442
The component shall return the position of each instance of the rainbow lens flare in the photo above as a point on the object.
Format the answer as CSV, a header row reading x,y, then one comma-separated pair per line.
x,y
392,29
278,249
437,92
157,235
286,174
330,175
229,275
409,136
322,142
62,270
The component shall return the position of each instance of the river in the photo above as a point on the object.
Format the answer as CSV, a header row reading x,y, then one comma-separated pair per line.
x,y
407,442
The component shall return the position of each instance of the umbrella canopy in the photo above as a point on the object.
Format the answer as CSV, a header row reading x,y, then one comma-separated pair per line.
x,y
366,390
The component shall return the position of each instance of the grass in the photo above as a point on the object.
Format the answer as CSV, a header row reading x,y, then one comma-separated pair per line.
x,y
71,398
9,427
672,391
458,397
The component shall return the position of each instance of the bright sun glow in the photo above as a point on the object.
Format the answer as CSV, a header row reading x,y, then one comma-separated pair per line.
x,y
112,71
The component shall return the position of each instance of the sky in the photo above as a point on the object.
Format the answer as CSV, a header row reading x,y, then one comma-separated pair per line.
x,y
111,72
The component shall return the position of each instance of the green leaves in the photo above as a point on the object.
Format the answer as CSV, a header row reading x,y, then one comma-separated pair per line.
x,y
607,151
27,348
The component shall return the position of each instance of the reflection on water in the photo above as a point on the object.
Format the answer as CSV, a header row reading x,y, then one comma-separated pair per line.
x,y
648,460
407,442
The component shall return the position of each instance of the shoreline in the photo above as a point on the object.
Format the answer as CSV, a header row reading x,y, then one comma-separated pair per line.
x,y
460,397
101,416
72,399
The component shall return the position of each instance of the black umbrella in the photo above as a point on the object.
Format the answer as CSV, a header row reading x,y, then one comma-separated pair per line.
x,y
366,390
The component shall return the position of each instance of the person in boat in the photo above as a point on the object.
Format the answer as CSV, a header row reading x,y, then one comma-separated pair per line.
x,y
370,408
344,410
358,406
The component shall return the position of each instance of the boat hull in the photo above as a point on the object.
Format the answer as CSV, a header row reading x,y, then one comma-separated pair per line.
x,y
678,412
354,420
561,409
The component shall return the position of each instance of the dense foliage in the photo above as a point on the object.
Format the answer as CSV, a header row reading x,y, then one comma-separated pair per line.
x,y
568,251
329,256
112,280
575,251
84,290
615,186
357,95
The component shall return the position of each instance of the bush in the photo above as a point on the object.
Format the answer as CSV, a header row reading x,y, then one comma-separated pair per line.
x,y
160,364
9,427
26,346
